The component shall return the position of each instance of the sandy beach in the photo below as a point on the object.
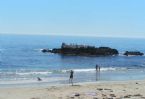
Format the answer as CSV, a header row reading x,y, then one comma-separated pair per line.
x,y
98,90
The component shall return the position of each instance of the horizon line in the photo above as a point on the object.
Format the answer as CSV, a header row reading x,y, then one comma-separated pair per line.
x,y
79,35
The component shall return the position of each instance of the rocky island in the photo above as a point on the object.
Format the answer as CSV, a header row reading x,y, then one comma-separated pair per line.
x,y
82,50
136,53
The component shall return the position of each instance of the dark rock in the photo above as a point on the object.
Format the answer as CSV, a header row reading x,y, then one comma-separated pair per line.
x,y
95,98
35,98
77,94
100,89
107,89
127,53
137,95
112,95
127,96
103,95
45,50
82,50
142,97
136,83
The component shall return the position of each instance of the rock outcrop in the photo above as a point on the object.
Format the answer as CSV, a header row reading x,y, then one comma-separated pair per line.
x,y
45,50
82,50
137,53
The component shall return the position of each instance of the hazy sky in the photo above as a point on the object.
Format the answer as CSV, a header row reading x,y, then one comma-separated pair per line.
x,y
73,17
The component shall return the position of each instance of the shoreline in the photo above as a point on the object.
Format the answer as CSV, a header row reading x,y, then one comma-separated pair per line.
x,y
45,84
99,90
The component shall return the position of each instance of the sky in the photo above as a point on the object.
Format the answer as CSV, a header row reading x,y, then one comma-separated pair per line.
x,y
109,18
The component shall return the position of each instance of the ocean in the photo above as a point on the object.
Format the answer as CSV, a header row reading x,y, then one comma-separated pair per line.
x,y
21,60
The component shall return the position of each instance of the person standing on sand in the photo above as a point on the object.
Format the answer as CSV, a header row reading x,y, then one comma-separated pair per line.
x,y
97,68
71,77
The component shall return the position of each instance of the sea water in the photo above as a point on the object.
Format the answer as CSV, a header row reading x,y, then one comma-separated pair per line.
x,y
21,60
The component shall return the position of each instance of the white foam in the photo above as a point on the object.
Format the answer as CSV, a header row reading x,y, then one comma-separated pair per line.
x,y
40,50
29,81
79,70
34,73
93,69
108,69
84,70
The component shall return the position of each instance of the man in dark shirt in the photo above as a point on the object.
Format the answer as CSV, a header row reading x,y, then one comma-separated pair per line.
x,y
71,77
